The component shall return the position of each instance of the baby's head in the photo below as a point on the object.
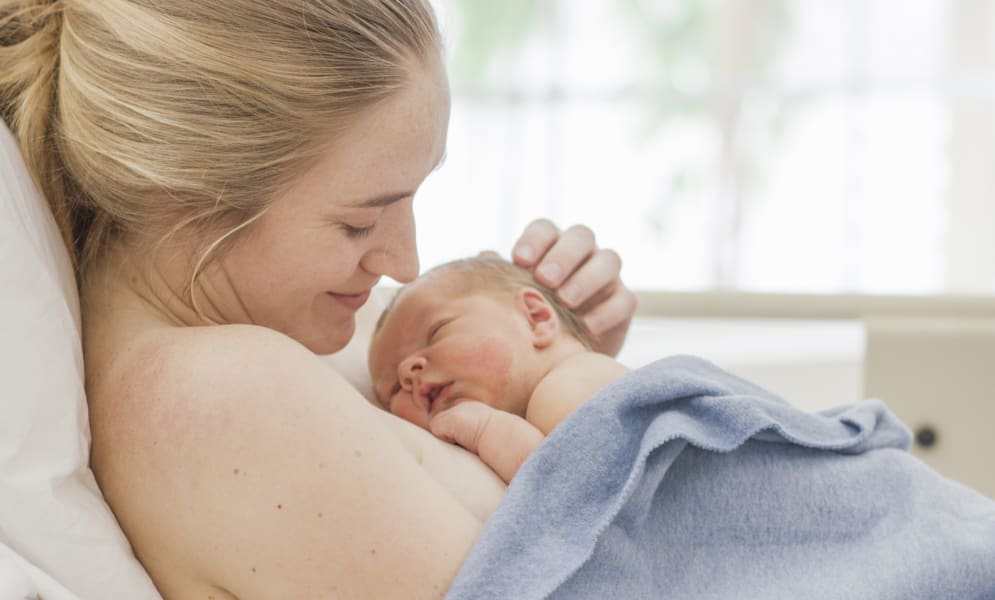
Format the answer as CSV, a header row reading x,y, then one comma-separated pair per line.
x,y
474,329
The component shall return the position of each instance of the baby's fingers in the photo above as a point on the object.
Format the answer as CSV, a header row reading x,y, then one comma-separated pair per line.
x,y
462,424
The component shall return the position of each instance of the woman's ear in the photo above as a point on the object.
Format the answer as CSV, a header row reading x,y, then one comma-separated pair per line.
x,y
542,318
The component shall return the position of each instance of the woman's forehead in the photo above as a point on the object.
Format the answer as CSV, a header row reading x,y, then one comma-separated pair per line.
x,y
386,151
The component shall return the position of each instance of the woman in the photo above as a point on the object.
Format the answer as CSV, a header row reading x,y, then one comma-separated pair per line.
x,y
232,178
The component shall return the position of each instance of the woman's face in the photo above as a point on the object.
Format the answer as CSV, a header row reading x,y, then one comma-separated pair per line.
x,y
307,265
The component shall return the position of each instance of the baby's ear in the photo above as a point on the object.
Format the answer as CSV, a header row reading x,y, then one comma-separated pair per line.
x,y
543,321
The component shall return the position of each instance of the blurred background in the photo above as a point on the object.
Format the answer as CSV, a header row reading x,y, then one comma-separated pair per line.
x,y
802,191
762,145
812,147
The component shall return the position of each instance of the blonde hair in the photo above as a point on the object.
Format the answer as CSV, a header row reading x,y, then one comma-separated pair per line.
x,y
139,118
490,273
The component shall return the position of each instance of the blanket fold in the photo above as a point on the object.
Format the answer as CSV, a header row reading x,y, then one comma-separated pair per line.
x,y
683,481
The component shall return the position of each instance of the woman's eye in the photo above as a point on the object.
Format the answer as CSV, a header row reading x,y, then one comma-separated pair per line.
x,y
358,232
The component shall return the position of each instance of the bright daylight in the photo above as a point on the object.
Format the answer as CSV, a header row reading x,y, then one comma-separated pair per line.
x,y
497,299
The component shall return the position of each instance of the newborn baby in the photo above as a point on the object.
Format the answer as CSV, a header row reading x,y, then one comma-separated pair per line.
x,y
479,354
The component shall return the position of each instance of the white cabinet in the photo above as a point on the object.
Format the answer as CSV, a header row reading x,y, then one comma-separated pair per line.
x,y
938,376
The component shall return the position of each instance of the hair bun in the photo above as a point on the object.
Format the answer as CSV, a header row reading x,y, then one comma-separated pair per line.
x,y
30,31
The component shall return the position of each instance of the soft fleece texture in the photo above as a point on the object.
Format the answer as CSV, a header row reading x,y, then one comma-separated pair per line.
x,y
683,481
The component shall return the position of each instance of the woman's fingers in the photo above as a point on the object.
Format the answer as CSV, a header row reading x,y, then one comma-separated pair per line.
x,y
601,271
609,319
536,240
584,277
567,253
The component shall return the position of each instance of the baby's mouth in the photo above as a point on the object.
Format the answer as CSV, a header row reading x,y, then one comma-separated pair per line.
x,y
437,396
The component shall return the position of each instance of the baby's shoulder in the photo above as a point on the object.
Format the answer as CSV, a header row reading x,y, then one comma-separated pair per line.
x,y
568,385
592,368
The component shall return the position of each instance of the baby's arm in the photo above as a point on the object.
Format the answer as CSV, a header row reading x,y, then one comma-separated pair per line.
x,y
499,438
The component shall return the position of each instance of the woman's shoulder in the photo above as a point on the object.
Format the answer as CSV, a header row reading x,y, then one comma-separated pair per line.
x,y
244,443
170,372
223,347
186,362
190,385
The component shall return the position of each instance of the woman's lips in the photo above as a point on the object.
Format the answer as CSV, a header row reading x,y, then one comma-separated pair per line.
x,y
352,301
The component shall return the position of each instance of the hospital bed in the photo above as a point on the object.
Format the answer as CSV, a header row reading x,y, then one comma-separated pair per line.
x,y
929,358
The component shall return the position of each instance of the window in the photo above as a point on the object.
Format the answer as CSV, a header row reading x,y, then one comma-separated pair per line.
x,y
772,145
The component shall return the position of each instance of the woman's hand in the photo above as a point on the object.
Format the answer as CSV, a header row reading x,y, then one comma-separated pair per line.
x,y
583,276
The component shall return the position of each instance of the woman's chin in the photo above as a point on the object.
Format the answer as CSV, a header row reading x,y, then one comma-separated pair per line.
x,y
328,338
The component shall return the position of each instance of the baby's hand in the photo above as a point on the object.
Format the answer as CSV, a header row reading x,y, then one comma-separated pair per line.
x,y
502,440
463,424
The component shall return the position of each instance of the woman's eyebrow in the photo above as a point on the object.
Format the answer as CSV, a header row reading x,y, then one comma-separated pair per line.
x,y
381,201
388,199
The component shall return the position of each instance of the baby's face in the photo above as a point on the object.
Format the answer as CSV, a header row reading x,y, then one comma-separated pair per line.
x,y
438,348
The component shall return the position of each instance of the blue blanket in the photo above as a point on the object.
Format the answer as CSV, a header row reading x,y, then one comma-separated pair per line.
x,y
683,481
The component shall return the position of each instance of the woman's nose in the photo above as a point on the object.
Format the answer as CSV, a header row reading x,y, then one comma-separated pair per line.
x,y
397,256
409,372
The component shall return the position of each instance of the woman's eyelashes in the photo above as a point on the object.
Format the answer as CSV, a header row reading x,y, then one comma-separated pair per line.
x,y
358,232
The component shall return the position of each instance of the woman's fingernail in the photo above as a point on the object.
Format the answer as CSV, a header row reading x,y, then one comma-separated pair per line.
x,y
570,294
525,253
551,271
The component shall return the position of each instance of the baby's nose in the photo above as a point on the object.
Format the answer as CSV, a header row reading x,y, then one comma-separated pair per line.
x,y
409,371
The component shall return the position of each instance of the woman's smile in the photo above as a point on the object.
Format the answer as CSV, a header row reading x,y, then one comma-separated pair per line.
x,y
352,301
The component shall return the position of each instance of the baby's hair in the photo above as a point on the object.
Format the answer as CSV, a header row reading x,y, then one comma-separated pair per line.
x,y
490,273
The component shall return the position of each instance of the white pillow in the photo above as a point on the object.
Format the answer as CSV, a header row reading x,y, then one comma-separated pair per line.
x,y
21,579
51,513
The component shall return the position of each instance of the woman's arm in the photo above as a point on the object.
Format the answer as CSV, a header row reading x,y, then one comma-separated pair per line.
x,y
268,476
